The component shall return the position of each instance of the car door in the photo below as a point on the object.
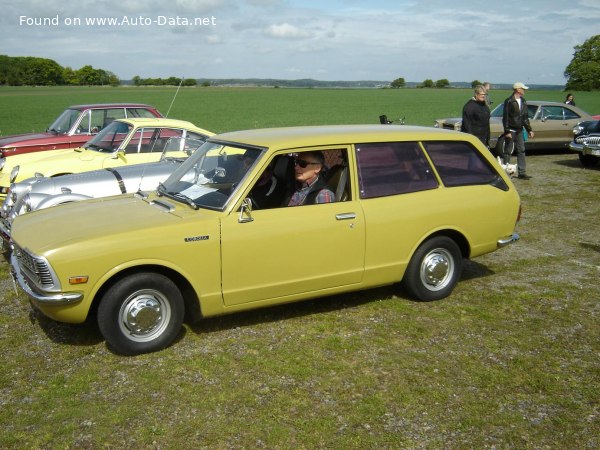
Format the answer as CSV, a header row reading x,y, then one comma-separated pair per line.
x,y
553,126
292,251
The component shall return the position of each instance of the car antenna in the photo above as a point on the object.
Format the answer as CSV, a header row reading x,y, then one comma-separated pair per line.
x,y
175,96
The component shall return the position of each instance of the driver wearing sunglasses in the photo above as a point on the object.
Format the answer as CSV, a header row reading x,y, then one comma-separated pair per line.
x,y
310,186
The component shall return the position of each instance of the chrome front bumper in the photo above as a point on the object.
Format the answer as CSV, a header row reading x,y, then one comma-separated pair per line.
x,y
585,149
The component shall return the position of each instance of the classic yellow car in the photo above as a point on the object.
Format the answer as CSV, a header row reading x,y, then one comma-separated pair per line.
x,y
376,205
122,142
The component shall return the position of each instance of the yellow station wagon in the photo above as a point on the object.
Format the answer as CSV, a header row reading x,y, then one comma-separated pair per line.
x,y
384,204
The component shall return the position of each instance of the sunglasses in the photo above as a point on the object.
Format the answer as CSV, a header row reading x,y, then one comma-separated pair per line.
x,y
303,163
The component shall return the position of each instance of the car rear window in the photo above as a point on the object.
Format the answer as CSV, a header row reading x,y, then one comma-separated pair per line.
x,y
393,168
459,163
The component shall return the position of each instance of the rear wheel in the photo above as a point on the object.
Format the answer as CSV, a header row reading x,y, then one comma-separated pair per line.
x,y
141,313
588,160
434,269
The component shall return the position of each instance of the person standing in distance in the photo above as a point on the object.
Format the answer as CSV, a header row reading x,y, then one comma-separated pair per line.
x,y
516,122
476,116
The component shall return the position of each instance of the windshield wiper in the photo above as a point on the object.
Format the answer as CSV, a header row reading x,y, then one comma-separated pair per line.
x,y
177,196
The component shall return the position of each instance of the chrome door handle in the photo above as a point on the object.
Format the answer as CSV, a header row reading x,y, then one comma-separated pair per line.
x,y
345,216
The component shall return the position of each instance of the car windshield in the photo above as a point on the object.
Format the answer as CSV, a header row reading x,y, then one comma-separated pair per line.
x,y
109,138
65,121
209,177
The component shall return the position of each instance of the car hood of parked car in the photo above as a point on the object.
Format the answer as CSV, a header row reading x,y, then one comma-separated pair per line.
x,y
106,181
98,221
23,139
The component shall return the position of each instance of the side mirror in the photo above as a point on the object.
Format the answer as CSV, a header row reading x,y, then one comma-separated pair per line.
x,y
246,211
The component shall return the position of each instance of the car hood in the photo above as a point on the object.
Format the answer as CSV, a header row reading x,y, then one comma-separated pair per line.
x,y
453,120
105,182
107,221
28,138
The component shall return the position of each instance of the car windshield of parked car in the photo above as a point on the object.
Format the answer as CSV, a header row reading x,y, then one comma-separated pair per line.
x,y
109,139
209,177
65,121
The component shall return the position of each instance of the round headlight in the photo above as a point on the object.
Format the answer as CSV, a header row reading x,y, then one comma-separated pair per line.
x,y
14,173
25,204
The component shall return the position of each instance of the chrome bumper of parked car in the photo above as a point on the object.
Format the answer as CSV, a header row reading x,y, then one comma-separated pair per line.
x,y
585,149
47,299
508,240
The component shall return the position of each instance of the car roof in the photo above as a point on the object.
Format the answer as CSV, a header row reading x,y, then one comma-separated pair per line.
x,y
111,105
295,137
163,122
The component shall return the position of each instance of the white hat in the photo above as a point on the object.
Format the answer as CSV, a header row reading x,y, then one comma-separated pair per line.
x,y
519,85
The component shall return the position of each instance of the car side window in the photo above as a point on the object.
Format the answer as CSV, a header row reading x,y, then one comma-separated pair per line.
x,y
155,140
459,163
552,113
139,112
277,184
569,114
100,118
393,168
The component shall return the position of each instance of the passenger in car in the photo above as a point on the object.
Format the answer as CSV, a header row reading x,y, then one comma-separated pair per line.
x,y
310,187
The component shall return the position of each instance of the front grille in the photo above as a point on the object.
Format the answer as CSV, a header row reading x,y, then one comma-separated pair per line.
x,y
35,269
588,140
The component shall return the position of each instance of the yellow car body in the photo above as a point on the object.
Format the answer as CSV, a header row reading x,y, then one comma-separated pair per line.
x,y
215,254
128,150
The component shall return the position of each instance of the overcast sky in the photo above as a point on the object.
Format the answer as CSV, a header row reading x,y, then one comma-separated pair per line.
x,y
463,40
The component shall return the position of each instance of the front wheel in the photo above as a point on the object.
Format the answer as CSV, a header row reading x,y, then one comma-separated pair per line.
x,y
141,313
434,269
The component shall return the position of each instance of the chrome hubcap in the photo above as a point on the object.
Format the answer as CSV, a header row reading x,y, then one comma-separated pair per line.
x,y
144,315
437,269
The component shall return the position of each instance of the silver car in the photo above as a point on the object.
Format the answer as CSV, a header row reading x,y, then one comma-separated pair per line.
x,y
42,192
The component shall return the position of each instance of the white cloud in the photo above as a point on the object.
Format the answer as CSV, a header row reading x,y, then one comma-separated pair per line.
x,y
287,31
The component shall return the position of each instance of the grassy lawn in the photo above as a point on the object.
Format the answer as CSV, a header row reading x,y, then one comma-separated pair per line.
x,y
510,360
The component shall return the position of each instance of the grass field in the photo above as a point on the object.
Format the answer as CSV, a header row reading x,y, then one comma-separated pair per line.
x,y
510,360
227,109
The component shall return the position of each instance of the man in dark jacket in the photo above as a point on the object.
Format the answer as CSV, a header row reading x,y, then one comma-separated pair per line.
x,y
476,116
516,122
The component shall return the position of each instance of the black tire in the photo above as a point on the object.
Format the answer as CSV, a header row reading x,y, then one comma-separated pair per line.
x,y
433,270
588,160
141,313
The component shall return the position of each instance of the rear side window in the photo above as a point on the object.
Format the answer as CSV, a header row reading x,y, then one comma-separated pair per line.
x,y
459,163
393,168
139,112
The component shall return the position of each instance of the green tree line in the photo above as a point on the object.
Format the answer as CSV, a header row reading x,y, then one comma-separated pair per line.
x,y
32,71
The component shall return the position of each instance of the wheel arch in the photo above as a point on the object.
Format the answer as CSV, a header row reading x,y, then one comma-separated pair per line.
x,y
193,311
456,236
